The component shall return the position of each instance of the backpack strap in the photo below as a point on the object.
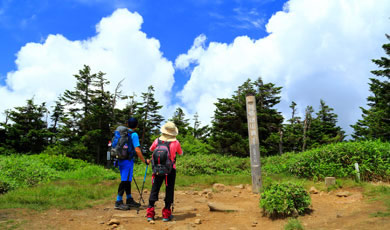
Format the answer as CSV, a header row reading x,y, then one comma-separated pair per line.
x,y
166,143
130,144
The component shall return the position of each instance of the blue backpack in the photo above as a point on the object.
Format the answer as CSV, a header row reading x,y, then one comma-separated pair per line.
x,y
121,144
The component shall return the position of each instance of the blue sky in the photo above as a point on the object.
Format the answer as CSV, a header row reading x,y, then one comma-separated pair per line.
x,y
194,52
174,23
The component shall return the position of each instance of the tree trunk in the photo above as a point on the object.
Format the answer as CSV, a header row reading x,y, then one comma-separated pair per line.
x,y
280,141
304,135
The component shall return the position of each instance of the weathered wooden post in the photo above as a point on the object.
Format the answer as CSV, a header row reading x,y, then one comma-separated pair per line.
x,y
254,144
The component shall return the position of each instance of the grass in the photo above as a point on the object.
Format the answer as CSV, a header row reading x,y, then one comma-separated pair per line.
x,y
11,224
67,194
85,193
379,193
293,224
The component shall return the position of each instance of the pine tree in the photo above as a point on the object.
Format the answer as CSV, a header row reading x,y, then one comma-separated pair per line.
x,y
269,119
200,132
306,125
27,133
292,135
100,118
149,119
180,121
58,113
229,132
375,123
324,129
85,126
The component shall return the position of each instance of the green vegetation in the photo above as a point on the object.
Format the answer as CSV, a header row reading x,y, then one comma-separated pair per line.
x,y
22,171
293,224
375,120
44,181
336,160
379,193
284,199
206,164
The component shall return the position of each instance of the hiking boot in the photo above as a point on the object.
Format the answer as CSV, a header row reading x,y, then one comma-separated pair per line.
x,y
167,214
131,203
150,213
120,206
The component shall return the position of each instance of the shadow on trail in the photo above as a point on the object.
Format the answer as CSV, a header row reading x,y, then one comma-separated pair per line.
x,y
183,216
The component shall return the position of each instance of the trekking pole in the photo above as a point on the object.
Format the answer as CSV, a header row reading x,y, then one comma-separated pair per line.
x,y
142,189
135,182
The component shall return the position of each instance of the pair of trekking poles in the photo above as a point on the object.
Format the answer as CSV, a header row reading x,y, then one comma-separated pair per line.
x,y
142,189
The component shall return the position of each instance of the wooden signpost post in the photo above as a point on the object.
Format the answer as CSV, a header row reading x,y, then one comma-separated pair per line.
x,y
254,144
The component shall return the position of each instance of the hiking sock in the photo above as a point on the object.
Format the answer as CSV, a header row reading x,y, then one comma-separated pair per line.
x,y
128,197
119,198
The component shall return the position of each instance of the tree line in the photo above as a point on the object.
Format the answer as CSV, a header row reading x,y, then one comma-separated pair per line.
x,y
82,120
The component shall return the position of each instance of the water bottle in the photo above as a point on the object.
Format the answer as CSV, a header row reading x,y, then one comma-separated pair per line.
x,y
108,151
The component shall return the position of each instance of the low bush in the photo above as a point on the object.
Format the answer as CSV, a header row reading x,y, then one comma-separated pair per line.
x,y
61,162
212,164
335,160
338,160
20,171
23,171
284,199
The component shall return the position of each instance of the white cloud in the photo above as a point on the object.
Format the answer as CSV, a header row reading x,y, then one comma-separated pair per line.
x,y
315,49
120,49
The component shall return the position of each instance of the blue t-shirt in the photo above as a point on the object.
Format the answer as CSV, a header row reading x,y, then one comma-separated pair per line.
x,y
135,141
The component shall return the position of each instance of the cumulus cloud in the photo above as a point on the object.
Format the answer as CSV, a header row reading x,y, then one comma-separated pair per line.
x,y
315,50
120,49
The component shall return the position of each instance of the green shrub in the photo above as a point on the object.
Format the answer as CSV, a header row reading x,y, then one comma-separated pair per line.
x,y
61,162
338,160
335,160
284,199
20,171
212,164
24,171
191,146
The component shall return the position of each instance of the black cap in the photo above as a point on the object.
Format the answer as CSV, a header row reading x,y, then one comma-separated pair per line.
x,y
132,122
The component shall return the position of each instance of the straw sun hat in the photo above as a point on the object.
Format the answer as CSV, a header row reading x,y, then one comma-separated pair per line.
x,y
169,132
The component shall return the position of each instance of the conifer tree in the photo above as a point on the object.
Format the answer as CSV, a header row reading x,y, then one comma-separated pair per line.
x,y
27,132
306,125
130,110
180,121
375,122
149,118
100,118
85,126
229,132
324,129
292,134
200,132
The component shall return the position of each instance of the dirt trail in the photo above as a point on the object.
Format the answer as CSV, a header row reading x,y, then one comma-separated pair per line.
x,y
329,212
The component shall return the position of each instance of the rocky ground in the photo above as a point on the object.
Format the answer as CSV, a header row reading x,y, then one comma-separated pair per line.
x,y
237,208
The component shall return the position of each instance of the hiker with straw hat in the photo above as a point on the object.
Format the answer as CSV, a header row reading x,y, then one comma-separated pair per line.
x,y
164,151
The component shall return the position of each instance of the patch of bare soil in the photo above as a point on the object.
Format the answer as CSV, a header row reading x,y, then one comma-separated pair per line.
x,y
191,211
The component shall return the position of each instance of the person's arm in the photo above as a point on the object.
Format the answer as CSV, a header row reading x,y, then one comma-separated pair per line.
x,y
178,148
139,154
137,148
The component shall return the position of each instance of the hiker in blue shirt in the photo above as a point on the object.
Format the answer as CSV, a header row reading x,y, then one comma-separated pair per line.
x,y
126,168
